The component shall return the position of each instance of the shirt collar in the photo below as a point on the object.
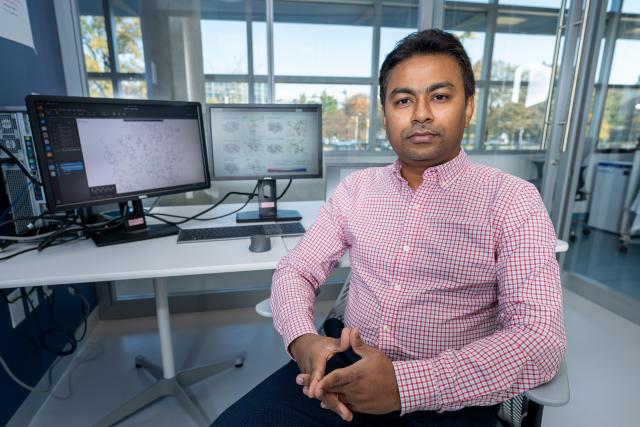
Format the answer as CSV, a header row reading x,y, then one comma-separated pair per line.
x,y
445,173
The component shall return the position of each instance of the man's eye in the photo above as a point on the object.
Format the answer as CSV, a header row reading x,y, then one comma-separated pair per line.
x,y
440,97
403,101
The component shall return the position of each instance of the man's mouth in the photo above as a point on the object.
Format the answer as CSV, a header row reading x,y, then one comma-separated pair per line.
x,y
421,137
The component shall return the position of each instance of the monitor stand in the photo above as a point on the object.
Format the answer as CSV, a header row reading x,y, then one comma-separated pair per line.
x,y
268,206
134,229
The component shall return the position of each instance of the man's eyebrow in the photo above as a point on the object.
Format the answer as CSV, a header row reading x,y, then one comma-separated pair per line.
x,y
440,85
407,90
430,88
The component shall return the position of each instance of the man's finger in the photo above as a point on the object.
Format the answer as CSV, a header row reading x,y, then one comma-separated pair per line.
x,y
344,343
317,372
331,401
359,346
303,379
335,381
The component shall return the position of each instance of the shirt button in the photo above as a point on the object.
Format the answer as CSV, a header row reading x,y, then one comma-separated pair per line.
x,y
416,206
406,248
386,328
397,287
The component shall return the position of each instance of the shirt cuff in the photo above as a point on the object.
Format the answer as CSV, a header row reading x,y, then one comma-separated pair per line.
x,y
417,384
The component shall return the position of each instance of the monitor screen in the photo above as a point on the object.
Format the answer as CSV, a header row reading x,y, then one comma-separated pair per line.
x,y
95,151
253,141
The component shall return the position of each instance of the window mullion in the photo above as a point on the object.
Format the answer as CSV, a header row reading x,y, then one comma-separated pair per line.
x,y
375,60
111,43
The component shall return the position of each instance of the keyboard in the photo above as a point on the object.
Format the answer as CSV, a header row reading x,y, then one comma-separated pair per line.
x,y
240,232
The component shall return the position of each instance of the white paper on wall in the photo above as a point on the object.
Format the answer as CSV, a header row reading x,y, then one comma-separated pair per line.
x,y
14,22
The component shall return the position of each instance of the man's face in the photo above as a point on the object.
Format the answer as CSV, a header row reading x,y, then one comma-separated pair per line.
x,y
425,112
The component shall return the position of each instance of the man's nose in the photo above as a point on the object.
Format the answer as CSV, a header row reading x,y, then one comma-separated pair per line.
x,y
422,112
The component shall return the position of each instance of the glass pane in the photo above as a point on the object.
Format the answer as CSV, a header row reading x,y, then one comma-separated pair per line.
x,y
224,47
130,50
320,39
625,68
532,3
512,122
388,39
631,6
100,88
94,43
397,23
134,89
523,41
227,92
470,28
345,111
259,32
620,127
261,93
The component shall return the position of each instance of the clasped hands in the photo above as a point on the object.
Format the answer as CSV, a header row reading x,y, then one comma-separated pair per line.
x,y
367,386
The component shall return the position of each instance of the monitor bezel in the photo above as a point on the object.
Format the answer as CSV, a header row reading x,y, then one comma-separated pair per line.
x,y
52,204
267,107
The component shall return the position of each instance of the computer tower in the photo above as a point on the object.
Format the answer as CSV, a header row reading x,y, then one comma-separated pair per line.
x,y
24,199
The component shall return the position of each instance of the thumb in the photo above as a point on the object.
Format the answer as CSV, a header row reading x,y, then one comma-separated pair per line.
x,y
359,346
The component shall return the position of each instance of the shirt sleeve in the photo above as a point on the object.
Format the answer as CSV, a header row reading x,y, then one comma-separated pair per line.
x,y
301,272
527,350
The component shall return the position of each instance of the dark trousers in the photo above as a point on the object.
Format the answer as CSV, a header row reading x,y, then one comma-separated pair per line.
x,y
278,401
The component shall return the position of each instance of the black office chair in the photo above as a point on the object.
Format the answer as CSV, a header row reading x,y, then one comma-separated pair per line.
x,y
524,410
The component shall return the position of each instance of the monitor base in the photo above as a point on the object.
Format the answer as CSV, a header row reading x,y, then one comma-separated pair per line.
x,y
115,237
281,215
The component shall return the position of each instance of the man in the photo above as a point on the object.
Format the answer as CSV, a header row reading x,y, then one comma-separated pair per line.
x,y
455,302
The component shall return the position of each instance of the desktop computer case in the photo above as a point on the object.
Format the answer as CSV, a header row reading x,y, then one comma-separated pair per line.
x,y
15,136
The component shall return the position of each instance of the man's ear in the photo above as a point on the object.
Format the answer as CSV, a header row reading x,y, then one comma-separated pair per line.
x,y
384,118
469,108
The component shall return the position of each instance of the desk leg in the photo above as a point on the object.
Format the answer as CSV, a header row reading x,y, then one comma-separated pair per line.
x,y
164,327
168,382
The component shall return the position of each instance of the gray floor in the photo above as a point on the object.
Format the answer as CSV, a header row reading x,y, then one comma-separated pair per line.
x,y
602,363
596,256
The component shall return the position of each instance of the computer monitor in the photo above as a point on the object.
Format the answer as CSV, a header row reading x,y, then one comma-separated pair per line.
x,y
96,151
265,142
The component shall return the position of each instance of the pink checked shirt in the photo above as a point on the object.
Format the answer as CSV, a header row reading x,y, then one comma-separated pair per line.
x,y
457,282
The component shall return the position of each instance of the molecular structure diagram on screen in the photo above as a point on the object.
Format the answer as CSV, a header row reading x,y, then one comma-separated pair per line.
x,y
299,127
231,127
275,127
231,168
296,147
274,149
232,148
253,146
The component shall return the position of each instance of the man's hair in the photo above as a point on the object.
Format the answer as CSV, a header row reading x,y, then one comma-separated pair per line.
x,y
428,42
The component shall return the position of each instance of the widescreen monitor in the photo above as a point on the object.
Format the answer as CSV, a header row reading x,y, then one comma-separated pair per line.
x,y
96,151
266,142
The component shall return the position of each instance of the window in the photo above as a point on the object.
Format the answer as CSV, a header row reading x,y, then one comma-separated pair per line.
x,y
113,48
330,51
618,88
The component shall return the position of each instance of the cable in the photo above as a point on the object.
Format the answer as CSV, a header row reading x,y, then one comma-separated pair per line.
x,y
18,298
196,217
285,190
67,349
26,386
20,165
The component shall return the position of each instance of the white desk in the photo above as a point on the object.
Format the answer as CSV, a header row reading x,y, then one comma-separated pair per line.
x,y
81,262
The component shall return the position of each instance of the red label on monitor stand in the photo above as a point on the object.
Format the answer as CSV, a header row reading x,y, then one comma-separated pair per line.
x,y
267,205
135,221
